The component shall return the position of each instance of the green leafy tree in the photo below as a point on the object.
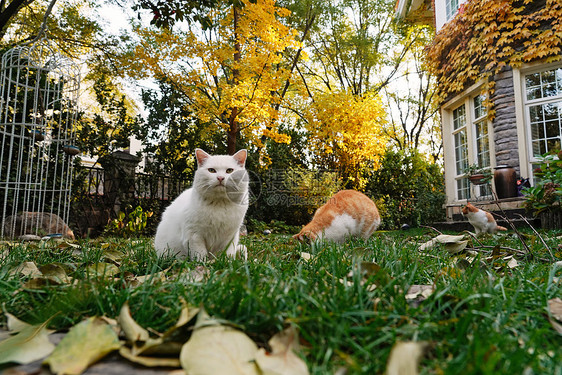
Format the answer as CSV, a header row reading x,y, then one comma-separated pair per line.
x,y
111,126
171,133
408,189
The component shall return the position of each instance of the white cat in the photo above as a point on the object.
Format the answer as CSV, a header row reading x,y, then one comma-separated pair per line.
x,y
205,219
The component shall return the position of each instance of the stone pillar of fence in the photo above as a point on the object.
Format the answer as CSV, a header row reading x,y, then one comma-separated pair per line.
x,y
119,182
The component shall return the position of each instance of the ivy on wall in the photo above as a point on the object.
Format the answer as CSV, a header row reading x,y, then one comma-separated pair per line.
x,y
486,36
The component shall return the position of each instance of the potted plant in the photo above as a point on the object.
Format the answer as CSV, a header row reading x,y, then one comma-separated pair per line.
x,y
543,200
478,175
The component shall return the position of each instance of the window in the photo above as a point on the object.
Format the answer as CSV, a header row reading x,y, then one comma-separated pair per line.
x,y
451,8
471,141
543,104
480,126
461,151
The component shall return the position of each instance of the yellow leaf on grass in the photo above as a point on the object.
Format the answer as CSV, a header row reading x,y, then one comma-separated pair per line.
x,y
555,318
404,358
26,269
418,293
85,343
283,359
173,339
441,239
30,344
133,331
218,349
102,270
14,324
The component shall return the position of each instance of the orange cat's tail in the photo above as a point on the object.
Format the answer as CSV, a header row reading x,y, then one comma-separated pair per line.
x,y
499,227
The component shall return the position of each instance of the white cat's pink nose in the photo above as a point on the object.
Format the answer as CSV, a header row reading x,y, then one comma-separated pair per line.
x,y
220,178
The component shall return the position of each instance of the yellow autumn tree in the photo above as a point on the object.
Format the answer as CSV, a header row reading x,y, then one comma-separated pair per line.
x,y
230,72
346,132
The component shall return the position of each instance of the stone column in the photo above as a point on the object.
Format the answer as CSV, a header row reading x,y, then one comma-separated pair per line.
x,y
119,179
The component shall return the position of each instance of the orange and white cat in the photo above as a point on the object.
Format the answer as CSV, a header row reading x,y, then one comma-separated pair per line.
x,y
347,213
481,220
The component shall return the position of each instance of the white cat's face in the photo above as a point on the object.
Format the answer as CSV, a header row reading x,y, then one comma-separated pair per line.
x,y
222,176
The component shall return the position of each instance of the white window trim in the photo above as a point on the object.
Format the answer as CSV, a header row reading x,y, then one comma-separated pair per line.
x,y
526,157
464,98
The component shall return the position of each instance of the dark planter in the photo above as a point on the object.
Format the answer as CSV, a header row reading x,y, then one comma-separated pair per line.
x,y
505,181
477,179
551,219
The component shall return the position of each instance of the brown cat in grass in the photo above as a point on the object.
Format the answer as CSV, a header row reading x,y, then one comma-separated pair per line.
x,y
347,213
481,220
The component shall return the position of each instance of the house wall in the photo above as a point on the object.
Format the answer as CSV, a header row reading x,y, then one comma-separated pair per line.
x,y
506,140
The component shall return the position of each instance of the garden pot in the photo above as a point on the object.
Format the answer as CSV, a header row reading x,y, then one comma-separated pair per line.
x,y
477,179
505,181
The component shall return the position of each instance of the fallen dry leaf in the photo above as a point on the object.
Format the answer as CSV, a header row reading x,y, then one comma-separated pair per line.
x,y
102,270
283,359
455,247
14,324
172,341
404,358
555,318
133,331
149,361
418,293
305,256
30,344
26,269
441,239
85,343
218,349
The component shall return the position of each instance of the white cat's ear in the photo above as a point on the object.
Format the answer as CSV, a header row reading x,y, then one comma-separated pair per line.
x,y
201,156
240,157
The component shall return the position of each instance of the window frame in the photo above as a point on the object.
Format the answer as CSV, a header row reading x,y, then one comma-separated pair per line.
x,y
528,103
471,122
449,11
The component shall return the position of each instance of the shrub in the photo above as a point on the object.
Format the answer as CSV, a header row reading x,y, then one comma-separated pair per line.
x,y
407,190
546,195
135,226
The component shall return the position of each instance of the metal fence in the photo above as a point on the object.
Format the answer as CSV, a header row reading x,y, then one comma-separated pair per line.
x,y
147,186
95,204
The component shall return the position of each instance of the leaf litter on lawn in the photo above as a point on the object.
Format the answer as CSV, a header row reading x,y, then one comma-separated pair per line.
x,y
377,271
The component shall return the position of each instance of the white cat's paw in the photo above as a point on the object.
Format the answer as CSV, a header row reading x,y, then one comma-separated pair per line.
x,y
238,249
241,249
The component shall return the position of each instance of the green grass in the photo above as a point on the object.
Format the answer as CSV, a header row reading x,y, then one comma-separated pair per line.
x,y
482,319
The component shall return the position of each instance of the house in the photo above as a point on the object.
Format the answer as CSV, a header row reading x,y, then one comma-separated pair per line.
x,y
498,65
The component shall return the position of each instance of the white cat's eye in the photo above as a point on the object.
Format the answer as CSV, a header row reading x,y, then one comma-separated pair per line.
x,y
229,170
212,170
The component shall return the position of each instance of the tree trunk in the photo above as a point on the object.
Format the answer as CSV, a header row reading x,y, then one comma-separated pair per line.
x,y
7,13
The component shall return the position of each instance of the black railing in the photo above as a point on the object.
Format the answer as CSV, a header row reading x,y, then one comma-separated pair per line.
x,y
147,186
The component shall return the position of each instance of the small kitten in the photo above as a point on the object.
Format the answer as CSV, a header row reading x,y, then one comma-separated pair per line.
x,y
481,220
205,219
347,213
